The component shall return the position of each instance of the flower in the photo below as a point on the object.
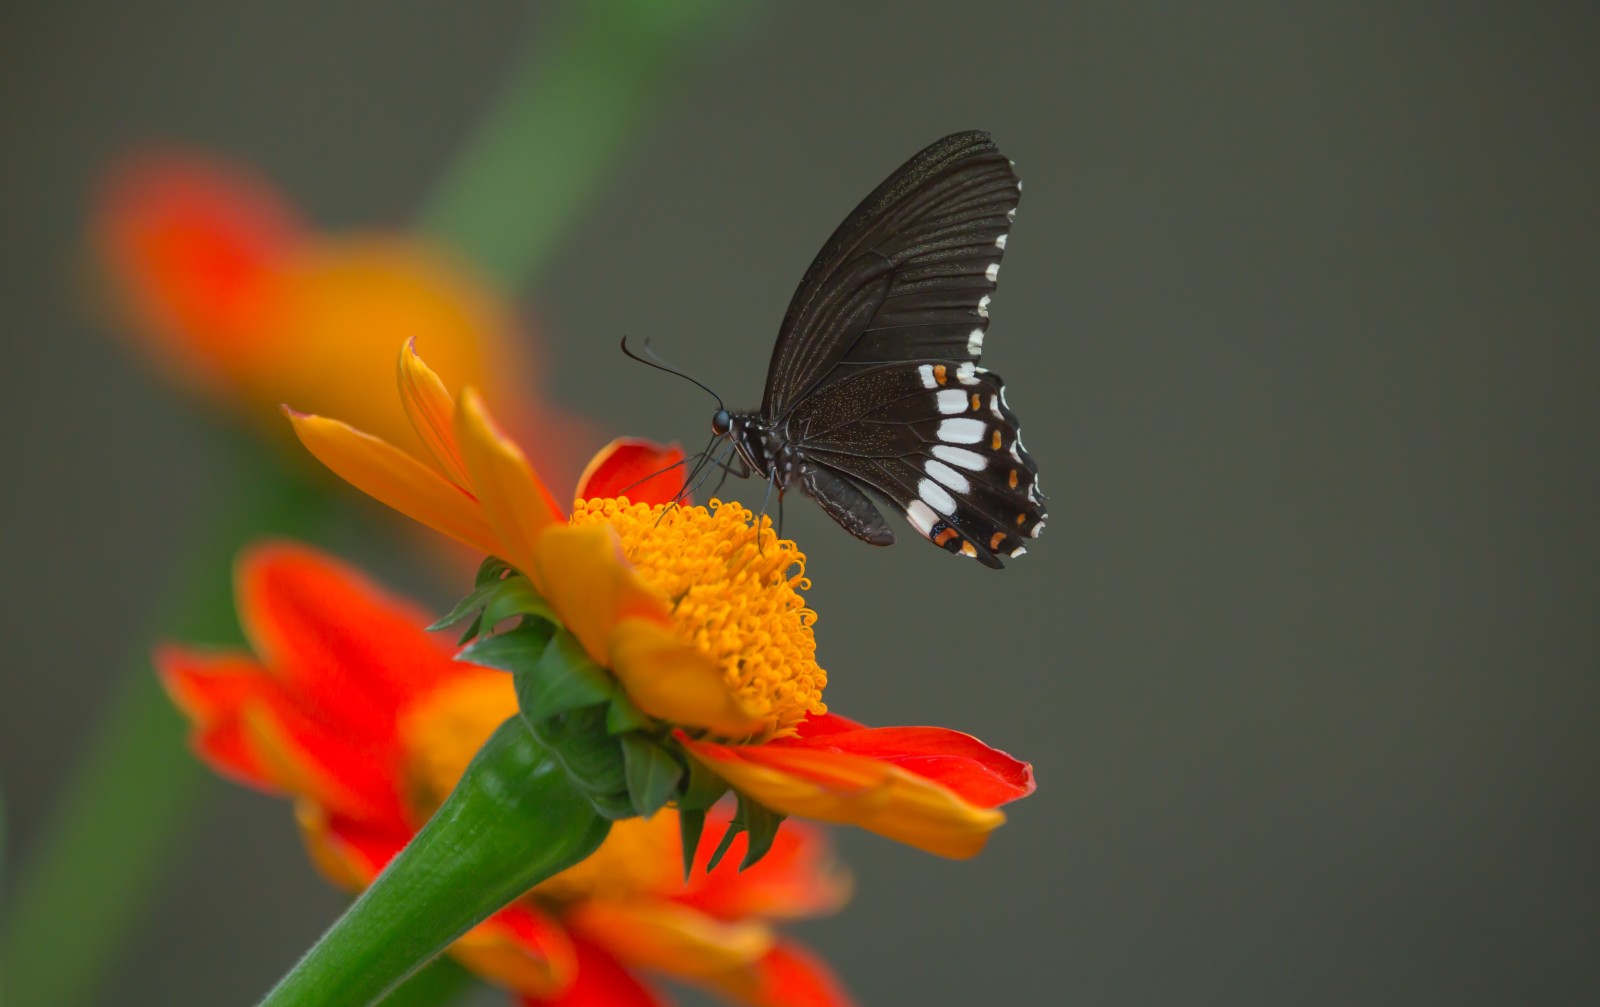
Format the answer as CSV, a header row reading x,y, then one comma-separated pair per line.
x,y
694,612
214,274
350,708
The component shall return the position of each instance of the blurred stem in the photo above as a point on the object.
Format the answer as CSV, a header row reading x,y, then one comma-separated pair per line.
x,y
94,865
541,151
513,820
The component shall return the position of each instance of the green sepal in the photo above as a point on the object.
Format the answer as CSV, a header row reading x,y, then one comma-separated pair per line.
x,y
701,787
590,756
622,716
652,773
691,823
492,568
515,650
564,679
473,603
516,596
759,822
470,633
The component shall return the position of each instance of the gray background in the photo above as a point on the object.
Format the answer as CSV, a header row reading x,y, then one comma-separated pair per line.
x,y
1300,313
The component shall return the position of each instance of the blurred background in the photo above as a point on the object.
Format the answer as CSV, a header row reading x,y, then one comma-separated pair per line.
x,y
1300,312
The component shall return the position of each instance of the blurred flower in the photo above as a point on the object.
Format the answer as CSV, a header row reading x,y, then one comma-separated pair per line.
x,y
695,612
215,276
350,708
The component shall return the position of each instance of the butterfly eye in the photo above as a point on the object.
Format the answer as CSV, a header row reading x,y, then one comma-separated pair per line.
x,y
721,422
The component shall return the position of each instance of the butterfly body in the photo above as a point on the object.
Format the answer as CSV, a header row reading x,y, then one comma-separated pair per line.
x,y
874,385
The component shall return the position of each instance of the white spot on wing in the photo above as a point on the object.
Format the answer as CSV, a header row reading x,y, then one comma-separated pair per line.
x,y
1018,551
975,342
969,460
1000,242
1038,529
921,517
952,400
993,272
1016,454
947,475
967,374
926,373
964,430
983,306
1011,214
935,496
1003,401
994,407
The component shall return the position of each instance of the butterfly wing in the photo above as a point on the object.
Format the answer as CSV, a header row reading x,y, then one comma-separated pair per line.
x,y
906,277
937,439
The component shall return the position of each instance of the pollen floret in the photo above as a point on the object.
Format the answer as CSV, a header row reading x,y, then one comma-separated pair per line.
x,y
733,599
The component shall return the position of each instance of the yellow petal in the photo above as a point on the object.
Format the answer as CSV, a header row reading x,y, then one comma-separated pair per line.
x,y
854,790
669,937
431,410
624,625
516,503
391,476
675,682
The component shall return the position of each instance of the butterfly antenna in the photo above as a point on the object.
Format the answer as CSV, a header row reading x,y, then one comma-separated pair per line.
x,y
658,472
651,359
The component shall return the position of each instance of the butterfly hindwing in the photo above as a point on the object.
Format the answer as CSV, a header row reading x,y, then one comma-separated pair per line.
x,y
906,277
936,438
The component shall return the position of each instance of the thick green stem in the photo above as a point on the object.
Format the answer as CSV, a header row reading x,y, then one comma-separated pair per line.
x,y
512,821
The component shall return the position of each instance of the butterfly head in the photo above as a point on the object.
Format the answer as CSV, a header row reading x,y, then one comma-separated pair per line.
x,y
721,422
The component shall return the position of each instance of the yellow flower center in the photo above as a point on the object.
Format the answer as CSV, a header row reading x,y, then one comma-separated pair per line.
x,y
734,595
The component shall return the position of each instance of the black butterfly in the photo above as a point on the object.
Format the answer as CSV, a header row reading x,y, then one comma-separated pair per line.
x,y
874,384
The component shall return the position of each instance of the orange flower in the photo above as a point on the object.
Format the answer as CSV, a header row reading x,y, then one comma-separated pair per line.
x,y
695,612
351,709
217,277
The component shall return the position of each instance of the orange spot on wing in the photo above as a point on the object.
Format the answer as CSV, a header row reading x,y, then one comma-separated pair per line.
x,y
996,539
996,440
968,549
945,536
977,402
1013,478
938,373
1022,519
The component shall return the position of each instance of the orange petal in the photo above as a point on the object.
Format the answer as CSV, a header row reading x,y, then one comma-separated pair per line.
x,y
514,500
601,981
348,853
670,938
431,410
643,471
853,790
391,476
522,948
787,976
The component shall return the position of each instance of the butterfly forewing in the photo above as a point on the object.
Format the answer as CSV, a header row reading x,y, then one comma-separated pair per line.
x,y
906,277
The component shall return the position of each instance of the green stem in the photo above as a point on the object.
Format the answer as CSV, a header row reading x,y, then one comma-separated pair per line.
x,y
536,160
438,982
512,821
108,841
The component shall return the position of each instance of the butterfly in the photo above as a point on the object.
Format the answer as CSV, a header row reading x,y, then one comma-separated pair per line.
x,y
874,386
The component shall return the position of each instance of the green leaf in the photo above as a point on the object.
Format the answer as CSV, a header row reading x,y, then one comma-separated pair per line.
x,y
469,605
563,679
517,597
702,788
761,824
622,716
728,835
492,568
690,825
471,632
652,773
516,650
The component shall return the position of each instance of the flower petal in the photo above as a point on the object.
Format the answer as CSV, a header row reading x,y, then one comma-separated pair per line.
x,y
981,775
640,470
349,853
393,477
675,682
431,410
514,500
669,938
349,649
600,981
787,976
522,948
803,779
